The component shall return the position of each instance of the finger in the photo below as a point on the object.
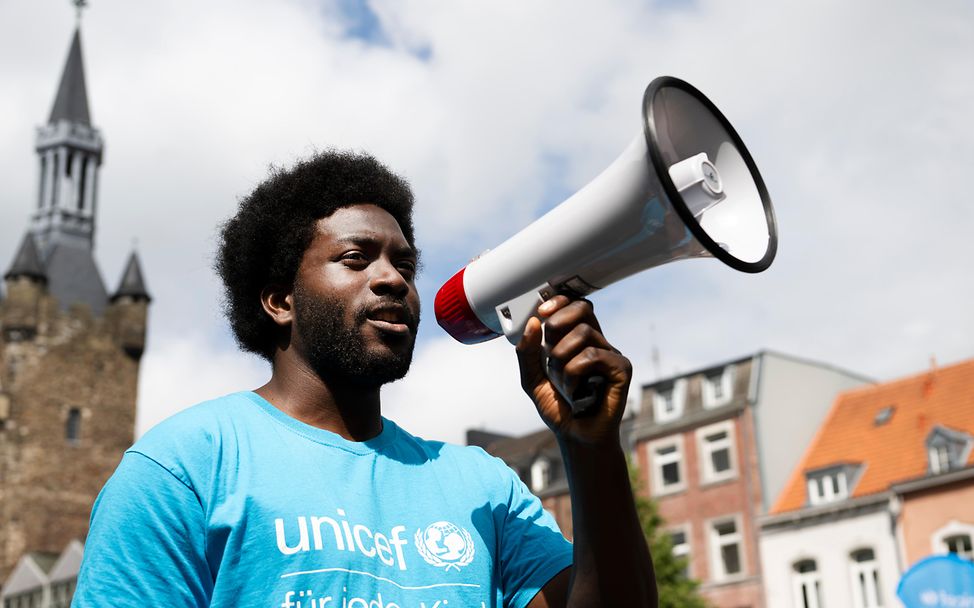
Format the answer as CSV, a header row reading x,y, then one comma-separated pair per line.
x,y
530,356
591,361
578,339
553,304
567,317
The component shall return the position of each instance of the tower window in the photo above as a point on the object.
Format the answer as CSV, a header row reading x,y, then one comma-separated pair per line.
x,y
41,189
72,430
82,180
56,181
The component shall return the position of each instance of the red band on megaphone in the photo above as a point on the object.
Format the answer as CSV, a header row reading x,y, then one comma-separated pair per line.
x,y
454,314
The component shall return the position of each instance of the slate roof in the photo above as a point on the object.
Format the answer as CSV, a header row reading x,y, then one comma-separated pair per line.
x,y
27,261
893,451
132,284
71,102
73,277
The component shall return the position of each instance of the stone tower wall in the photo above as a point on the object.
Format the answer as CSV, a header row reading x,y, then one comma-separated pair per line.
x,y
74,362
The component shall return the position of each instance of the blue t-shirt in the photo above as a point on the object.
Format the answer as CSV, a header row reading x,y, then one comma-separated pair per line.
x,y
234,503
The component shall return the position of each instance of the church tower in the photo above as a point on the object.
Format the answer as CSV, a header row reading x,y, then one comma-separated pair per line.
x,y
69,350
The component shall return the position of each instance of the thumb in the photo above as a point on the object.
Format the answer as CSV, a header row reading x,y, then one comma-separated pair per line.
x,y
530,356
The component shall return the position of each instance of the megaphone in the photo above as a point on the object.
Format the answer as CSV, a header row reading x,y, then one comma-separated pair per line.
x,y
685,187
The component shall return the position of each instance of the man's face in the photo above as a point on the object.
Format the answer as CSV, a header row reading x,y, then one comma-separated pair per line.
x,y
355,301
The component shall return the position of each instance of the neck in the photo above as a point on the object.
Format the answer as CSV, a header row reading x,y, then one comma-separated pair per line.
x,y
353,412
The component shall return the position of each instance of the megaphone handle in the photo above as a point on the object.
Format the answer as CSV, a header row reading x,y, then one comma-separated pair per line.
x,y
586,398
514,315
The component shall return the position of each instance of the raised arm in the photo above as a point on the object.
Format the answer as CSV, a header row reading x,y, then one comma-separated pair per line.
x,y
612,565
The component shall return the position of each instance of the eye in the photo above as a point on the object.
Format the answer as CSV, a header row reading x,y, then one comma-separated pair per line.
x,y
407,268
354,258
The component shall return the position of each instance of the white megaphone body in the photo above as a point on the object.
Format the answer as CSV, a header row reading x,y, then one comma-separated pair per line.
x,y
685,187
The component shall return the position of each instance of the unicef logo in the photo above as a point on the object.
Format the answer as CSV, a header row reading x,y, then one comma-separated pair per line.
x,y
445,545
929,598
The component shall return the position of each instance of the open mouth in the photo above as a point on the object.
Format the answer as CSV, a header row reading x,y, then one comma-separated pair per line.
x,y
391,319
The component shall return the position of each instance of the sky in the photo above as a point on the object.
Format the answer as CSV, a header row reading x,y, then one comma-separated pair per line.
x,y
858,115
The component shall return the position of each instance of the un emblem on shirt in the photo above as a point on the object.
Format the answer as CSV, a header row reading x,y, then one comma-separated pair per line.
x,y
445,545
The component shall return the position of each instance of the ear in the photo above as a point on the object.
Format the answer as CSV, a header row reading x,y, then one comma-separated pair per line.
x,y
278,303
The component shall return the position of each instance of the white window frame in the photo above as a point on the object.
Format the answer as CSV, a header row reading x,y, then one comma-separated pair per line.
x,y
939,456
657,462
540,474
718,541
686,549
866,588
662,413
726,383
706,448
953,528
810,580
821,488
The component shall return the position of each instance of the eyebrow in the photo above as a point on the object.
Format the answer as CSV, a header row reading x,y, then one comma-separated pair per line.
x,y
363,240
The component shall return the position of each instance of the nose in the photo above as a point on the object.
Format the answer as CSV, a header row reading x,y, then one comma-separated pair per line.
x,y
387,280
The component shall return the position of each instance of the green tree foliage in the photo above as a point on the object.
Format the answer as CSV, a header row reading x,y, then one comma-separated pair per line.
x,y
675,589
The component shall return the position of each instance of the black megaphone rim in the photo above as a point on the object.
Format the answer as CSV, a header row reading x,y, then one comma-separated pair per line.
x,y
649,126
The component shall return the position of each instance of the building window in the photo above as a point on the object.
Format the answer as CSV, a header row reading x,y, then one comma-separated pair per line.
x,y
960,545
947,449
939,459
72,429
828,486
667,465
718,387
806,585
716,447
681,548
668,401
865,579
955,537
726,548
540,474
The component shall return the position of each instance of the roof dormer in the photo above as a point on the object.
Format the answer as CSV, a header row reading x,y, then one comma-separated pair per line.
x,y
668,400
832,483
947,449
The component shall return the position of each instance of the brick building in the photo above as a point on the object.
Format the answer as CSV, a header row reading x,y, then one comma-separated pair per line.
x,y
69,351
715,445
536,458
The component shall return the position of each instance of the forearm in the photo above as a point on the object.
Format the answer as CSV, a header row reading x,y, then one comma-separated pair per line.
x,y
612,564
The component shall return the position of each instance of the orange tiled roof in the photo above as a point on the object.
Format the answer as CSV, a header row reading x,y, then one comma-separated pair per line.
x,y
891,452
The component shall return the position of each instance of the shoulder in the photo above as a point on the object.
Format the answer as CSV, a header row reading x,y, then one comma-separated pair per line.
x,y
187,441
471,464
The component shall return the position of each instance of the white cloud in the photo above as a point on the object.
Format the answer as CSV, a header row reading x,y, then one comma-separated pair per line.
x,y
182,371
454,387
857,114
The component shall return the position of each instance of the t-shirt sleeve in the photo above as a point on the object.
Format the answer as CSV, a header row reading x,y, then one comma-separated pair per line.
x,y
532,549
146,543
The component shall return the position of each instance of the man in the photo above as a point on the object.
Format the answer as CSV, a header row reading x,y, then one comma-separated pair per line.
x,y
301,495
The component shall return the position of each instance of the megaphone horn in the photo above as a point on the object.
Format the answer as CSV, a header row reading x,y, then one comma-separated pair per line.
x,y
685,187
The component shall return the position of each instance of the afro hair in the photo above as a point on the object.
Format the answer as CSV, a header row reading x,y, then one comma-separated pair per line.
x,y
264,242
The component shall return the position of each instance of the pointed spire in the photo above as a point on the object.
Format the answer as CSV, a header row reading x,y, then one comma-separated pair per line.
x,y
71,103
27,262
132,283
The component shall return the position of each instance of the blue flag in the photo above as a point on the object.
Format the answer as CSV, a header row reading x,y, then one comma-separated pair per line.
x,y
942,580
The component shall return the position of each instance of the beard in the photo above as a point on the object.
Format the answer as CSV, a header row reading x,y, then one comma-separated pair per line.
x,y
337,351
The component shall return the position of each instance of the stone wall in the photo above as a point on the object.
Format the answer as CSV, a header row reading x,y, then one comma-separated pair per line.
x,y
69,382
